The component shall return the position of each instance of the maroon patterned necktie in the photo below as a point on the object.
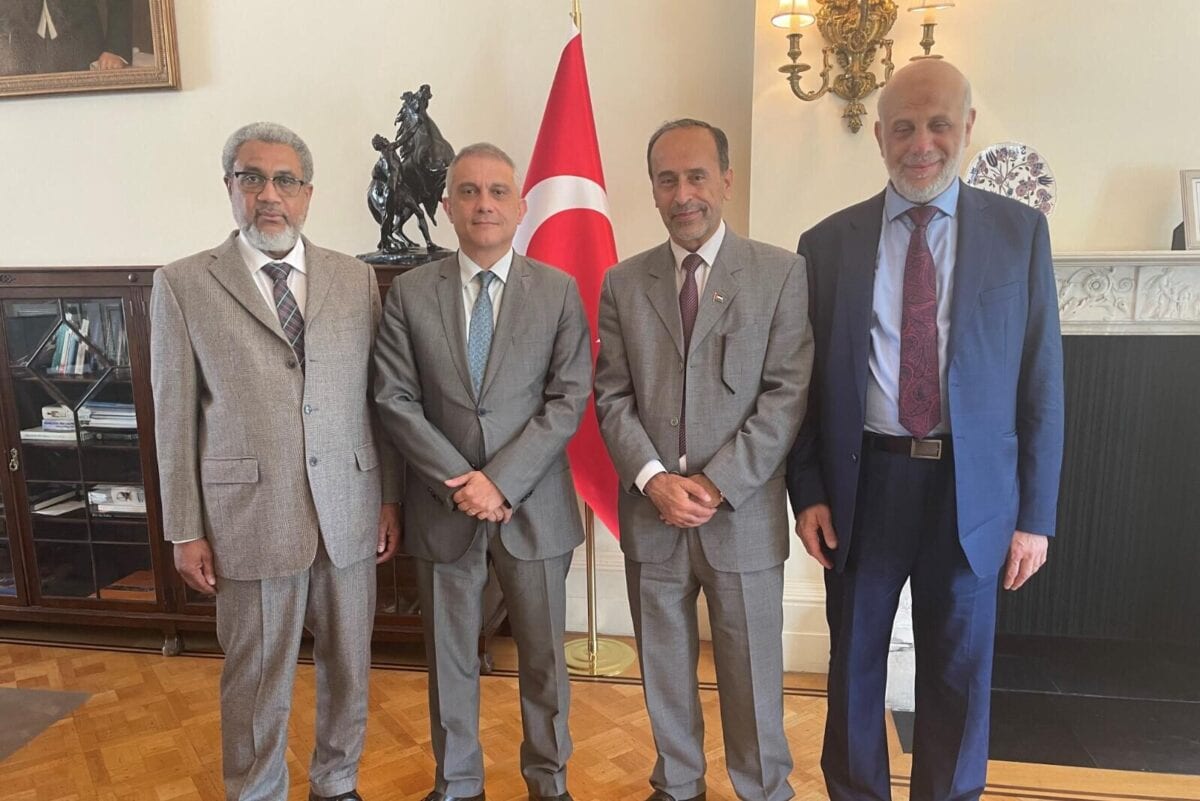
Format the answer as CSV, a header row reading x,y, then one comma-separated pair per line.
x,y
290,318
689,305
920,378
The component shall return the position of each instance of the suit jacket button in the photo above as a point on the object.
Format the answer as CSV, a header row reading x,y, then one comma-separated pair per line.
x,y
674,421
312,460
481,412
854,457
290,364
307,409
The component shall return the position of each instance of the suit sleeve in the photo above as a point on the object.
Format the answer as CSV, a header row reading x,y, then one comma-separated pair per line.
x,y
1040,396
399,403
806,486
391,465
616,400
519,465
743,464
175,385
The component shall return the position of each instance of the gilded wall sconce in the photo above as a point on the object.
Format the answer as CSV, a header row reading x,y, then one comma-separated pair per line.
x,y
855,31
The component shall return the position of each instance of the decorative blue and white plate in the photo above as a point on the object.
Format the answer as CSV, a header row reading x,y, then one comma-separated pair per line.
x,y
1017,171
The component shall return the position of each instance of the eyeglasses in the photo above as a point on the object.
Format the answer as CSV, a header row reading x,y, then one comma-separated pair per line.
x,y
252,183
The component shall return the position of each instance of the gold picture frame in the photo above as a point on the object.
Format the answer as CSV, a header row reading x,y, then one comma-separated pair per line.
x,y
24,22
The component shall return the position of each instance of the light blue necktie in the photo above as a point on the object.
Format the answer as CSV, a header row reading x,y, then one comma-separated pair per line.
x,y
479,335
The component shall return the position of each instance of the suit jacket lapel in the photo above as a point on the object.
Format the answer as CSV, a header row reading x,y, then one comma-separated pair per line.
x,y
722,283
974,250
449,292
230,271
856,287
320,276
663,296
510,315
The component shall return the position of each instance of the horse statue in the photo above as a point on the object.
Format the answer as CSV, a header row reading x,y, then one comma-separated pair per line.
x,y
408,180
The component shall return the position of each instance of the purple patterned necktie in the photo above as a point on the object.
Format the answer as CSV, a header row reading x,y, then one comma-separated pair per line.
x,y
689,305
920,379
290,318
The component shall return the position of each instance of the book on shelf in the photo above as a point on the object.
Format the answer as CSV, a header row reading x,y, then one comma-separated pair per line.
x,y
42,435
119,509
137,586
91,337
61,508
47,498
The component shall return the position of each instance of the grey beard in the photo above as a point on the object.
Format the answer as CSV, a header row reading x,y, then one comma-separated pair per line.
x,y
921,195
283,241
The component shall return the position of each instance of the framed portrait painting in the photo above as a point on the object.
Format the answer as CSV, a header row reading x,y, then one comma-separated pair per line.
x,y
1190,184
55,46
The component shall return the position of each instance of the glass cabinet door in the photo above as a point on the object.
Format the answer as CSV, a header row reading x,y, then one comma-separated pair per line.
x,y
8,577
80,459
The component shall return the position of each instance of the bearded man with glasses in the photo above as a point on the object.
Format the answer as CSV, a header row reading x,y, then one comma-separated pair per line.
x,y
278,491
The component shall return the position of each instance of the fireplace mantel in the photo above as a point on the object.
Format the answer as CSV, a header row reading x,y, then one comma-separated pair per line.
x,y
1133,293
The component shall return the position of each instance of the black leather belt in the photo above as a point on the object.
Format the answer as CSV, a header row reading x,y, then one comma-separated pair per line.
x,y
927,448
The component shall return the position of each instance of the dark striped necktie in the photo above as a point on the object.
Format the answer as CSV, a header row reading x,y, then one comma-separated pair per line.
x,y
290,319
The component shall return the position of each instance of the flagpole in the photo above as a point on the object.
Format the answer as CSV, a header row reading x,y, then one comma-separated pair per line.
x,y
593,656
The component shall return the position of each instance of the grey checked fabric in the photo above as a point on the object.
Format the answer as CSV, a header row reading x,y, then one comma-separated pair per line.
x,y
689,305
479,337
285,306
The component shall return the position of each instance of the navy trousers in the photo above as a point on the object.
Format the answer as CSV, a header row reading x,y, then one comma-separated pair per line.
x,y
905,527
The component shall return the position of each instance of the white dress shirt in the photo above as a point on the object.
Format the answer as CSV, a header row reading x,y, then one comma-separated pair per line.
x,y
297,280
708,254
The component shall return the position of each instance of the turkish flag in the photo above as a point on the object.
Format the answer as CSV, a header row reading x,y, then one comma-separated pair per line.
x,y
567,225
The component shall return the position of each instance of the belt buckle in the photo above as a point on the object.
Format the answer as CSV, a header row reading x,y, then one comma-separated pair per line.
x,y
925,448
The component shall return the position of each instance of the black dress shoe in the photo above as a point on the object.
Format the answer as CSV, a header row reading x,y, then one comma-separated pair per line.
x,y
562,797
350,796
659,795
436,796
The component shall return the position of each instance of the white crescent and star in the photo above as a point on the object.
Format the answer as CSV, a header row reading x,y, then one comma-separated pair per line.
x,y
555,195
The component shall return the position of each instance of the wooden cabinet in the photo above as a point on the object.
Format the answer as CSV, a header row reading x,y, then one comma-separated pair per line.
x,y
80,522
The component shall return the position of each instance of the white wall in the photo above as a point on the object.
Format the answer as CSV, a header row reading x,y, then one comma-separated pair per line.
x,y
1103,89
134,178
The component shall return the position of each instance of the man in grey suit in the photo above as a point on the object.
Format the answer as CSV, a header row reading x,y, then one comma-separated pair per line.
x,y
483,370
705,352
271,464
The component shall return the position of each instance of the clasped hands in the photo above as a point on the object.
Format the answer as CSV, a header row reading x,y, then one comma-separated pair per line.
x,y
683,501
478,497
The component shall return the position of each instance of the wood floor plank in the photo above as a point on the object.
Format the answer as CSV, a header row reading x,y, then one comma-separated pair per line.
x,y
151,732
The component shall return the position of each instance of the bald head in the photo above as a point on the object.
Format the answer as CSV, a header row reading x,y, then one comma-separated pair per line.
x,y
931,75
925,122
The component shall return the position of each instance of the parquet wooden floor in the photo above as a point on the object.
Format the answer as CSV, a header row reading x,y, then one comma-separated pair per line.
x,y
150,732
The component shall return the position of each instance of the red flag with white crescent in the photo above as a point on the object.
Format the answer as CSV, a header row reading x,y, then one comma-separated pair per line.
x,y
567,225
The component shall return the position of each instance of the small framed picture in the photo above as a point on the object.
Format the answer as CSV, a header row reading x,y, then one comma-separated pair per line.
x,y
1190,182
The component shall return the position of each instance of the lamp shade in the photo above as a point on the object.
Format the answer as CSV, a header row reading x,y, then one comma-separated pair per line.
x,y
793,14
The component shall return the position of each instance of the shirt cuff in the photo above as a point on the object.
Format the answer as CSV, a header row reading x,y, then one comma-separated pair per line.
x,y
652,469
181,542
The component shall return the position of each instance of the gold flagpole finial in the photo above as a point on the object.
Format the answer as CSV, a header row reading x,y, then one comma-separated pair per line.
x,y
576,14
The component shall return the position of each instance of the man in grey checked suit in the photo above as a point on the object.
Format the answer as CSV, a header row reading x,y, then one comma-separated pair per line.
x,y
705,353
484,368
278,490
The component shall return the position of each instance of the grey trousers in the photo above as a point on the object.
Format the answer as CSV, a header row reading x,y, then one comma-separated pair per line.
x,y
259,626
745,612
452,615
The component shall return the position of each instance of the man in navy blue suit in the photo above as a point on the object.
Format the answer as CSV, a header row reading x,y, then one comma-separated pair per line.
x,y
932,444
